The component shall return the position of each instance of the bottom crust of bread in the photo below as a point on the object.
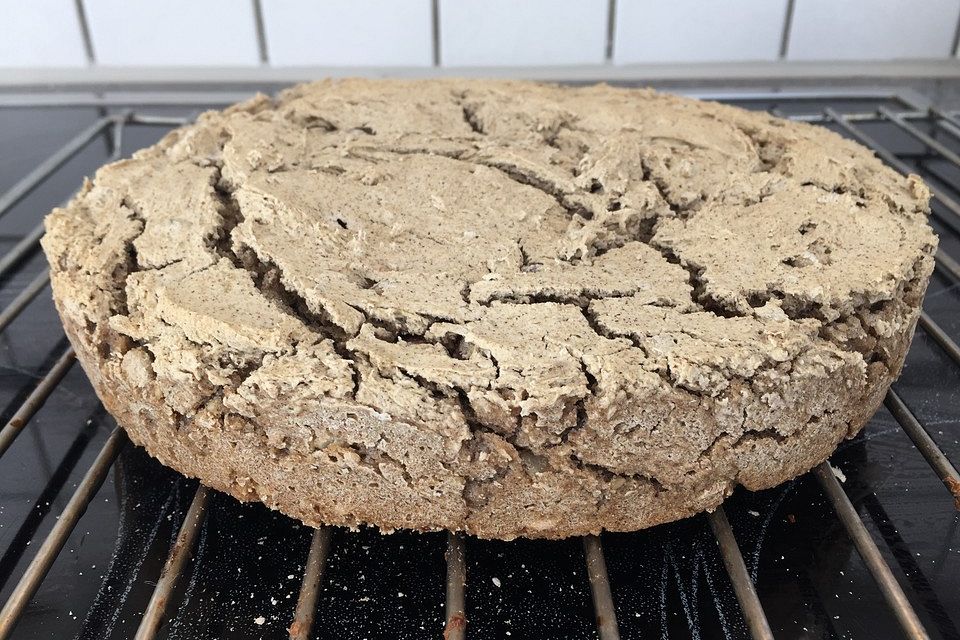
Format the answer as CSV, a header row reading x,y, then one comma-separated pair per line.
x,y
234,456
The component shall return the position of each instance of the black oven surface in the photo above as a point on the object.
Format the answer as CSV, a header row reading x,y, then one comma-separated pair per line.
x,y
865,547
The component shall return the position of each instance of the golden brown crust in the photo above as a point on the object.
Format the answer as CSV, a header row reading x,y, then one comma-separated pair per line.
x,y
505,308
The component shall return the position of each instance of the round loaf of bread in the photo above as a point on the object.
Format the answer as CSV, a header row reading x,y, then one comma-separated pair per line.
x,y
504,308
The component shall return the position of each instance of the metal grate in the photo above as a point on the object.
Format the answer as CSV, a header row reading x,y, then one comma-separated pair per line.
x,y
934,132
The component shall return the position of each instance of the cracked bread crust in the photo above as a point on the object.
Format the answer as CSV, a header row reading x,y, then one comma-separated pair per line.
x,y
505,308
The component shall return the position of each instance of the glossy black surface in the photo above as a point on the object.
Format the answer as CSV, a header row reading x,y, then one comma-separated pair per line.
x,y
668,582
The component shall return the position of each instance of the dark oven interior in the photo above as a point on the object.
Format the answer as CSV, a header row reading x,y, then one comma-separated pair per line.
x,y
865,547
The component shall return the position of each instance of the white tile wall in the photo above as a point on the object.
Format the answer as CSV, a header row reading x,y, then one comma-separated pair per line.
x,y
349,32
872,29
173,32
40,33
399,33
697,30
531,32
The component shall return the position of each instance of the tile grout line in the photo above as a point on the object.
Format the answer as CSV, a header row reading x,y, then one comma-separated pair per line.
x,y
955,45
787,28
261,33
611,30
435,30
85,32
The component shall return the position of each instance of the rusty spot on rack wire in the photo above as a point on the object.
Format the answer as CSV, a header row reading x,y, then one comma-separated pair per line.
x,y
296,628
954,488
458,622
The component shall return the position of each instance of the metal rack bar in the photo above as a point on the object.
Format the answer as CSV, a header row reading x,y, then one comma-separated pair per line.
x,y
28,244
18,542
910,108
303,617
36,399
23,298
934,330
936,145
188,96
912,568
895,162
868,550
53,543
154,121
46,168
115,138
739,576
455,602
865,116
925,444
120,98
946,121
943,261
176,561
22,249
607,628
948,265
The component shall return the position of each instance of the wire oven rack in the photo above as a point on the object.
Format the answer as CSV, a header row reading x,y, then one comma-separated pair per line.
x,y
934,131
